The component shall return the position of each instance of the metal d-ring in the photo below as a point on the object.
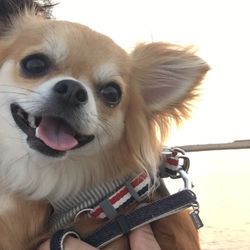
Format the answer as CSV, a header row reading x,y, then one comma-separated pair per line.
x,y
82,211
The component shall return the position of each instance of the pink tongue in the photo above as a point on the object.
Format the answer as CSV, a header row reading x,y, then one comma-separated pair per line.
x,y
56,134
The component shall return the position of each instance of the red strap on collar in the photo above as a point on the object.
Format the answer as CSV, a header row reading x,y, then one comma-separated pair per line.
x,y
123,194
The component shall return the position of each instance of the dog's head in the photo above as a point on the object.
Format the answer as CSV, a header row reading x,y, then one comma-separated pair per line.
x,y
75,108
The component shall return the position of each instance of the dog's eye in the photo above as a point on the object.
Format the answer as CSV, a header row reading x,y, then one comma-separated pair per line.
x,y
35,65
111,94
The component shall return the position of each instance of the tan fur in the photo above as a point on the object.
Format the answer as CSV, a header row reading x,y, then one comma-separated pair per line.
x,y
145,117
22,224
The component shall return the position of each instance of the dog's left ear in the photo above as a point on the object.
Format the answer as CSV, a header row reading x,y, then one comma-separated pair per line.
x,y
167,76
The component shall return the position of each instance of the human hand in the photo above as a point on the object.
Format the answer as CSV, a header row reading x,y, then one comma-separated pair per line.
x,y
140,239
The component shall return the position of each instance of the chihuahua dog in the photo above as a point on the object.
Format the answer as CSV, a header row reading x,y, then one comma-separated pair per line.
x,y
78,112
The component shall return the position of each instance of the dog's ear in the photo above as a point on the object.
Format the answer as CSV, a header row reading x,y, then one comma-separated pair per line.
x,y
12,9
167,76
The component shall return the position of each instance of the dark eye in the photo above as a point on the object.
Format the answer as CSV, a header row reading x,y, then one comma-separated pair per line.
x,y
35,65
111,94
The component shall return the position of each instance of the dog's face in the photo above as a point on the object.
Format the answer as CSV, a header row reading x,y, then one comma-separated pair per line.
x,y
67,88
76,108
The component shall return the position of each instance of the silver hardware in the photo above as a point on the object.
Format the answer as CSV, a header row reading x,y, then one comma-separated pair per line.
x,y
186,179
168,151
182,168
82,211
195,216
186,162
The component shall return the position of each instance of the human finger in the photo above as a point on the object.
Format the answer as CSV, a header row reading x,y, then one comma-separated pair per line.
x,y
143,239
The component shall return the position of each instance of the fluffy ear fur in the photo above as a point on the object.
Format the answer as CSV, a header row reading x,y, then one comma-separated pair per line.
x,y
167,76
11,9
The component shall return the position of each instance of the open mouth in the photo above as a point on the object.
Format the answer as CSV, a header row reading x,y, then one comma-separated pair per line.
x,y
49,135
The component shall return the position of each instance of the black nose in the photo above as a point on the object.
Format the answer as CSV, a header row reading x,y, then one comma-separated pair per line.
x,y
71,92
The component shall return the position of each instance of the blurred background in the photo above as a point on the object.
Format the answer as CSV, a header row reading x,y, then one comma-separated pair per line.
x,y
220,30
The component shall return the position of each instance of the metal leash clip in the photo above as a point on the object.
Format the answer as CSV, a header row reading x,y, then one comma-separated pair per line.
x,y
175,164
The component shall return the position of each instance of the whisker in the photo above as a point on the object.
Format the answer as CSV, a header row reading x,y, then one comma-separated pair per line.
x,y
106,159
20,93
107,129
12,92
16,87
5,120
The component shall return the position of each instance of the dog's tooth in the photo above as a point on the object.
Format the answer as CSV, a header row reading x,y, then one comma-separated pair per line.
x,y
32,122
37,136
22,114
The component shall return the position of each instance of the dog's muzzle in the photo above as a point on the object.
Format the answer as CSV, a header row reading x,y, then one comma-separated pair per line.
x,y
55,130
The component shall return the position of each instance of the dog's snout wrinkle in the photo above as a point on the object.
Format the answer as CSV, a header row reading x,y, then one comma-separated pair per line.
x,y
71,92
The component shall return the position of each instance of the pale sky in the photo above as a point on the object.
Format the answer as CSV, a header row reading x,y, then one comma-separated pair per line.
x,y
219,29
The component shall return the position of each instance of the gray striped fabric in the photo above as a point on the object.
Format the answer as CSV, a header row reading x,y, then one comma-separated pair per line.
x,y
65,210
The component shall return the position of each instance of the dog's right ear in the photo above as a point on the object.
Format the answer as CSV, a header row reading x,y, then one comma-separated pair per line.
x,y
168,77
10,10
